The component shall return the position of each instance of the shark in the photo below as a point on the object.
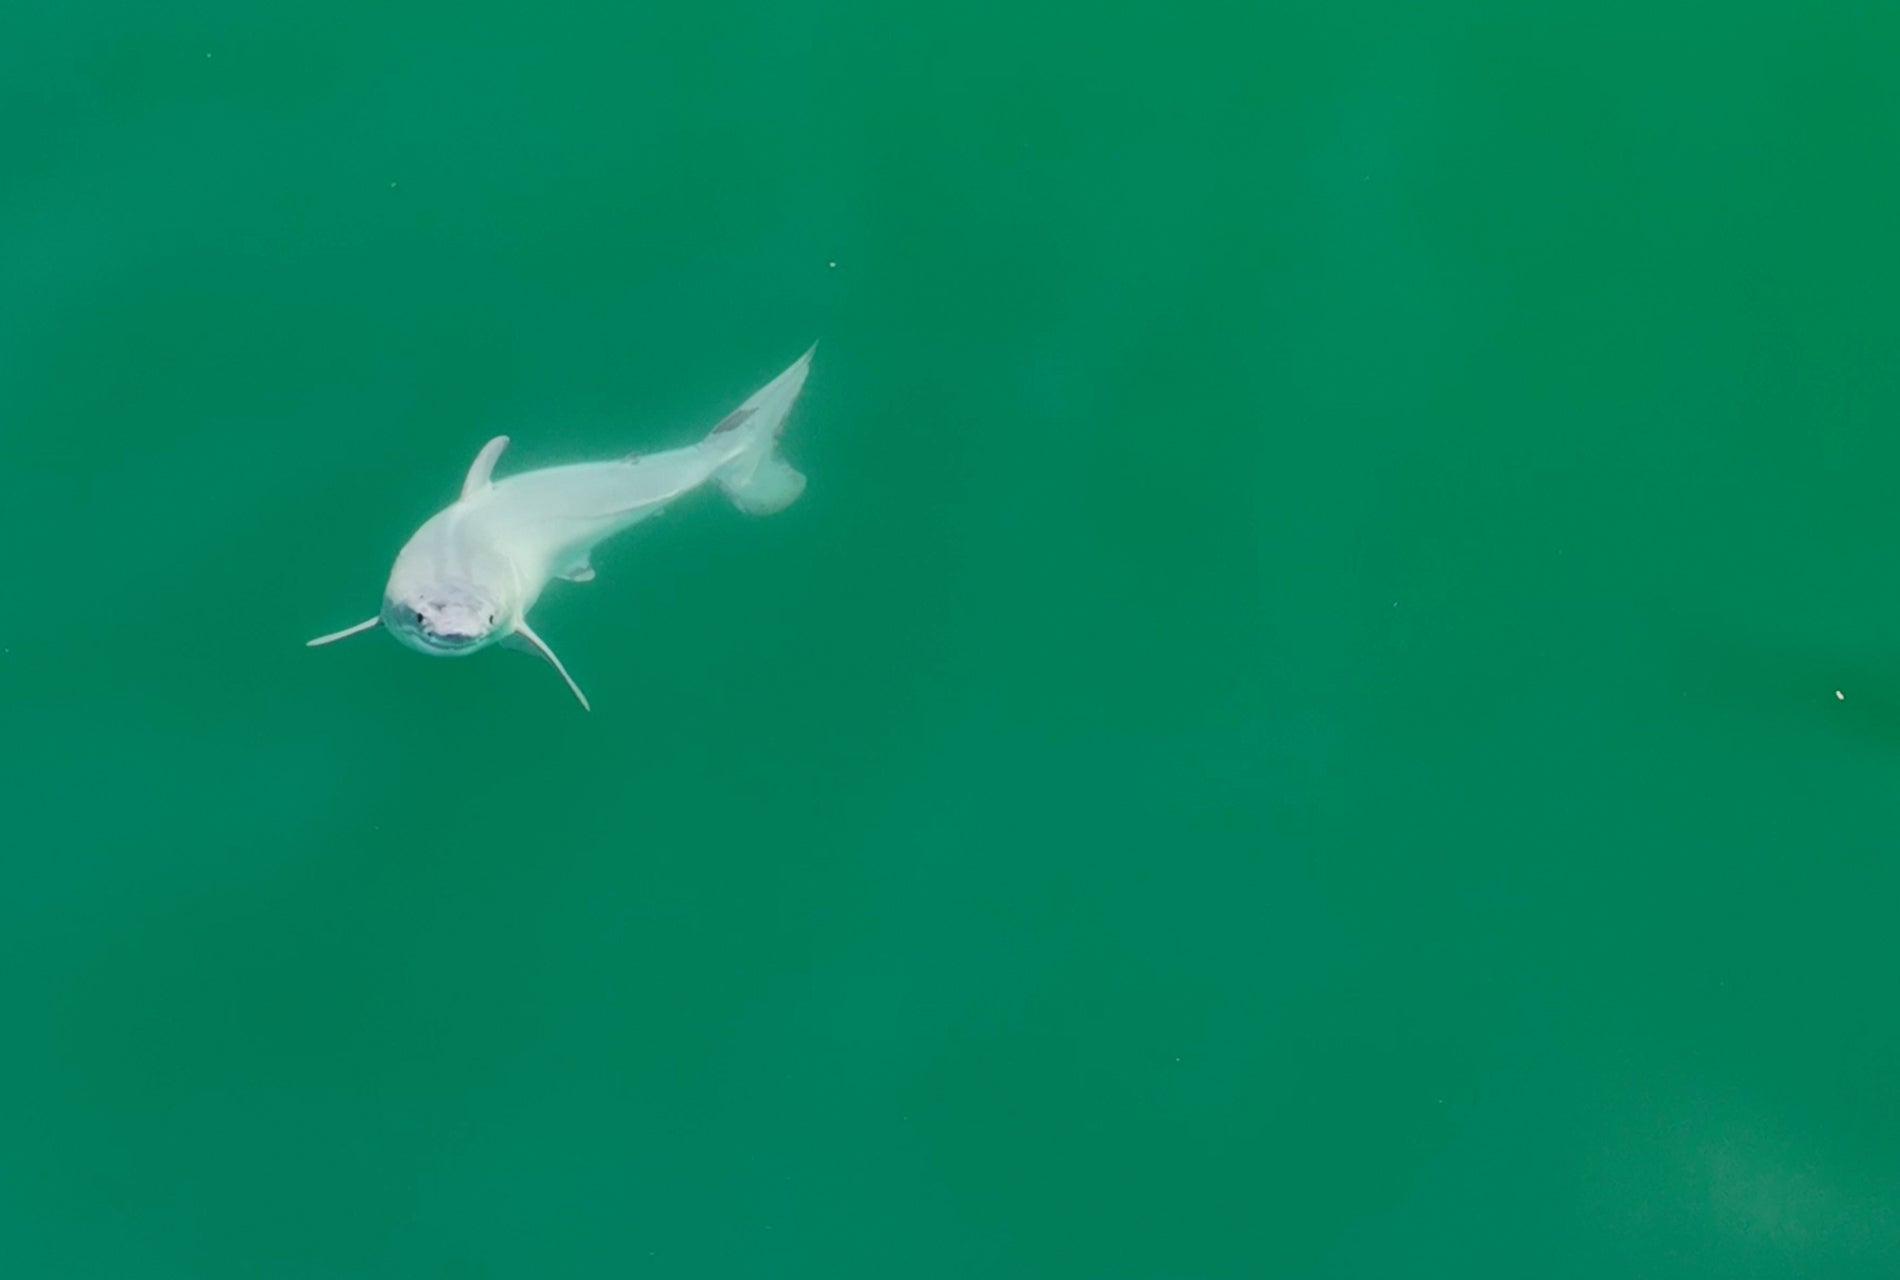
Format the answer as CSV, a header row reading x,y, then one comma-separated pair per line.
x,y
469,576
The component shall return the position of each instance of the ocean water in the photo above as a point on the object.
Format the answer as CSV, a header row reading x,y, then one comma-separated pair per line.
x,y
1331,707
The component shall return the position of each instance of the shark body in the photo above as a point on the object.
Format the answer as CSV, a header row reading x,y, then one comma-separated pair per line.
x,y
470,574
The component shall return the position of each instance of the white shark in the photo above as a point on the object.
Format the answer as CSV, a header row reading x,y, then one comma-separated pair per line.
x,y
469,576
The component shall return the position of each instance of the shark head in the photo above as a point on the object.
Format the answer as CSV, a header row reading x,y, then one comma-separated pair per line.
x,y
446,618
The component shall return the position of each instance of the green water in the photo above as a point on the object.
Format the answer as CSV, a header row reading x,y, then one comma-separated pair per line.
x,y
1294,732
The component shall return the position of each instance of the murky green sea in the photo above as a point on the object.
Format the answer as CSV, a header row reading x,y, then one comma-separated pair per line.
x,y
1331,709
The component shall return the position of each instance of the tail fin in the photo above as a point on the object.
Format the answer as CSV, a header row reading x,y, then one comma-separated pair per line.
x,y
758,479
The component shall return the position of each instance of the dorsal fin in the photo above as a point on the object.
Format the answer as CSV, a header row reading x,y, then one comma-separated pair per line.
x,y
484,464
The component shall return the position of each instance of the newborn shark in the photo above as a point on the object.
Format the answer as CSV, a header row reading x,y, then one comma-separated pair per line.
x,y
469,576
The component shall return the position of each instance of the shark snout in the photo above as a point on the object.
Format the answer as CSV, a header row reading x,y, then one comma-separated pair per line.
x,y
448,619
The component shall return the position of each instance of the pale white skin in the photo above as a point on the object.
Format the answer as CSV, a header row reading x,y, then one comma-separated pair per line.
x,y
470,575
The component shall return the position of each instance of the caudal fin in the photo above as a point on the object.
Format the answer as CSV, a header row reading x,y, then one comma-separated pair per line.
x,y
758,479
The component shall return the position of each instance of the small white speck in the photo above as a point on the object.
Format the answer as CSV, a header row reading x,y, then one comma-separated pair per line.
x,y
392,186
1839,696
832,265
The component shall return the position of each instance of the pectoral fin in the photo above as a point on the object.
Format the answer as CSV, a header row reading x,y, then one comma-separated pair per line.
x,y
343,634
525,632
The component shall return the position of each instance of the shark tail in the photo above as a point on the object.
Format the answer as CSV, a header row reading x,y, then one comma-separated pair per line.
x,y
758,479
